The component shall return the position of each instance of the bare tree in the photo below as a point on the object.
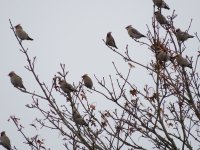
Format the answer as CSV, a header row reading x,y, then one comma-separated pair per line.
x,y
164,114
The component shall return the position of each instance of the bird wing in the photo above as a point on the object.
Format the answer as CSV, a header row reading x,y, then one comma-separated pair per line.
x,y
135,31
113,41
165,5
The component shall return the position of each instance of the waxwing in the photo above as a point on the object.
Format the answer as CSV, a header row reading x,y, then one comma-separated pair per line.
x,y
160,18
66,87
87,81
5,141
161,4
163,56
183,61
21,33
78,119
110,40
16,80
182,36
133,33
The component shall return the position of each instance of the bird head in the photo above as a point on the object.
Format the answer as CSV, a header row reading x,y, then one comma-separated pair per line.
x,y
72,104
177,30
159,51
74,109
60,82
128,27
109,33
12,73
18,26
178,56
3,133
59,78
85,75
157,12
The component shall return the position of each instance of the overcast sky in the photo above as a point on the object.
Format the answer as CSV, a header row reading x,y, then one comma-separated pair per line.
x,y
71,32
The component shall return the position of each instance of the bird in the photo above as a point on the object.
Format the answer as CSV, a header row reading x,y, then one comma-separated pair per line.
x,y
21,33
160,18
87,81
66,87
163,56
110,40
133,33
161,4
183,61
182,36
5,141
78,119
16,80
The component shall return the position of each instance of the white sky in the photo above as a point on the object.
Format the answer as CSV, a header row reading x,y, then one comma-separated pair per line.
x,y
71,32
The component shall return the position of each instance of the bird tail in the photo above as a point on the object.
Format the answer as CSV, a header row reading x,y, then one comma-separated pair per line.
x,y
191,36
190,66
30,39
171,58
85,124
74,90
143,35
23,87
166,7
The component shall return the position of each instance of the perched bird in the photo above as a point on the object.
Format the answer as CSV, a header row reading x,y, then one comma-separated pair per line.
x,y
182,36
133,33
87,81
161,4
78,119
21,33
66,87
5,141
110,40
160,18
183,61
16,80
163,56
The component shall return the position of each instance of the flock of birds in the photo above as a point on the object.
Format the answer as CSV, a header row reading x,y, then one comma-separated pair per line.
x,y
67,88
161,54
17,82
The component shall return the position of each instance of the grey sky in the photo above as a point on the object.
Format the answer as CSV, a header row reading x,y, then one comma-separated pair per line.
x,y
71,32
